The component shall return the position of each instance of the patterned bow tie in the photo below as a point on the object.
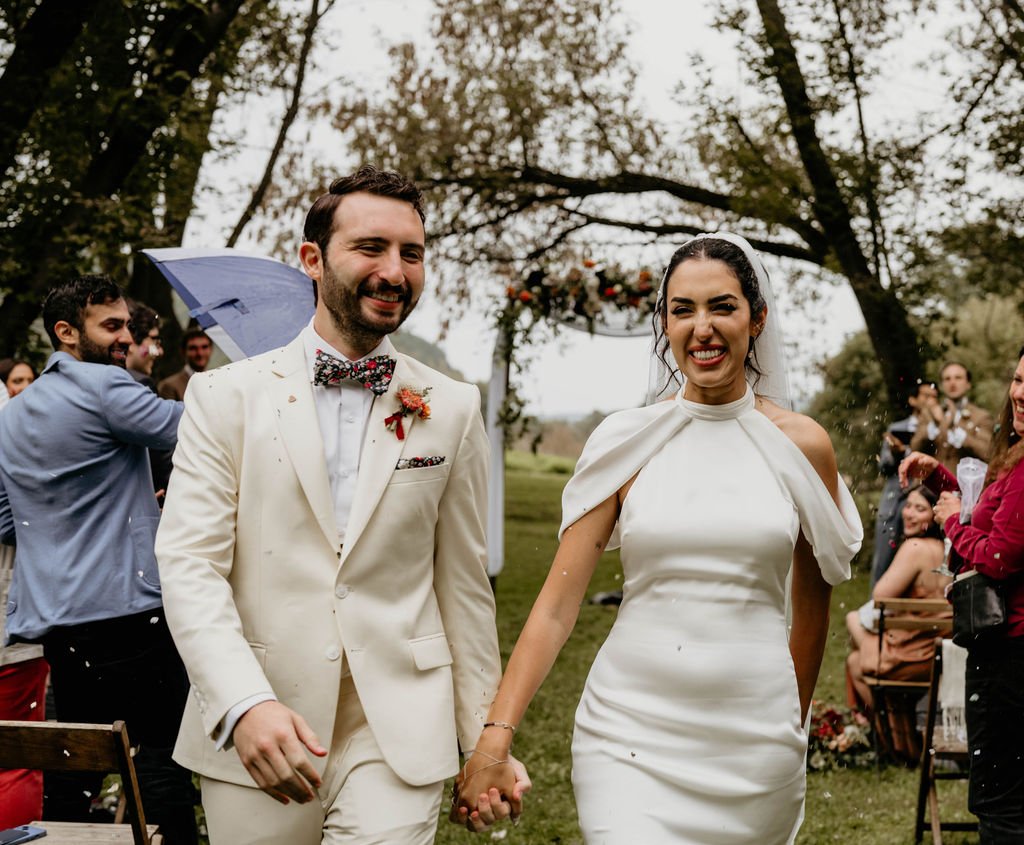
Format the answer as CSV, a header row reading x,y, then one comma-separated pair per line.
x,y
374,374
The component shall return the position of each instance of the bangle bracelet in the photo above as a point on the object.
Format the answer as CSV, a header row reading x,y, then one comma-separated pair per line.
x,y
504,725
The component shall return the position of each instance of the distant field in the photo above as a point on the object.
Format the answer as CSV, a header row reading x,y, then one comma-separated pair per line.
x,y
529,462
854,807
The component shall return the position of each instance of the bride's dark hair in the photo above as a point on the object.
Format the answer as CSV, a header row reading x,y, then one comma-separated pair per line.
x,y
707,249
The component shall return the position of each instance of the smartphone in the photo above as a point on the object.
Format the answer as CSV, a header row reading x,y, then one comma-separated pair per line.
x,y
25,833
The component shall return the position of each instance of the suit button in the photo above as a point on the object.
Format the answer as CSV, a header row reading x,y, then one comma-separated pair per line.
x,y
341,591
333,653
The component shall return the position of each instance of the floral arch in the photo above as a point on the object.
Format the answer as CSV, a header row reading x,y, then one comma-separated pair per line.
x,y
587,296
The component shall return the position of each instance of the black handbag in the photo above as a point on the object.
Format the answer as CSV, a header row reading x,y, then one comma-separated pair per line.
x,y
979,608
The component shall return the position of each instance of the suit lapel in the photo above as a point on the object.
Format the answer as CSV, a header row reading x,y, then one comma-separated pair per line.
x,y
380,453
292,397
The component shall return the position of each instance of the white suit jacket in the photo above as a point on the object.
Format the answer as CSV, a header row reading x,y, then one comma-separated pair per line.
x,y
260,596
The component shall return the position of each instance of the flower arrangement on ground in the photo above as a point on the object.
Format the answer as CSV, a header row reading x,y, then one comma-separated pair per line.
x,y
839,738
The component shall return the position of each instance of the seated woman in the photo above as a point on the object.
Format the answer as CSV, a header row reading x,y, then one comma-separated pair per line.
x,y
905,655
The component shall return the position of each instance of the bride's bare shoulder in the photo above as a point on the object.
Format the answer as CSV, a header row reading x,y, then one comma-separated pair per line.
x,y
809,437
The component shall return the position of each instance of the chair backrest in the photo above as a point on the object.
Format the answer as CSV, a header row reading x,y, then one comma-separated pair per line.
x,y
904,613
70,747
912,615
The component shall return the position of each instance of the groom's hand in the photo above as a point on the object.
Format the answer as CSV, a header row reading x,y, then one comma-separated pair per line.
x,y
271,741
480,806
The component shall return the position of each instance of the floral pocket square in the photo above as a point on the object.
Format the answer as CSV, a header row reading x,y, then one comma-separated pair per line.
x,y
419,463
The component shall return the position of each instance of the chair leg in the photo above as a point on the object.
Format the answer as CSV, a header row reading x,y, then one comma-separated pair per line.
x,y
925,785
122,807
882,721
933,804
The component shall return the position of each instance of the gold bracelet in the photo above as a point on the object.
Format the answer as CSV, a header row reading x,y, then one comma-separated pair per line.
x,y
504,725
473,751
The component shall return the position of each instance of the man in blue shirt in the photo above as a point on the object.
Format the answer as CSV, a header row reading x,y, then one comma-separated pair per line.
x,y
76,497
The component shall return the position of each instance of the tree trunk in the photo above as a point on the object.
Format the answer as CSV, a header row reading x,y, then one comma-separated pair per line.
x,y
887,320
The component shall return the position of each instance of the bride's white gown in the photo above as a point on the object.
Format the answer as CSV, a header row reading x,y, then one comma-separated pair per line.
x,y
689,728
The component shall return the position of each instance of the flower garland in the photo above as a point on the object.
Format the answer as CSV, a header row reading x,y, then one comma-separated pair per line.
x,y
583,294
587,295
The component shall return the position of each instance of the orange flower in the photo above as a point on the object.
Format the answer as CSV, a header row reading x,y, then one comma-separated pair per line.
x,y
510,291
410,399
644,276
588,263
425,412
525,296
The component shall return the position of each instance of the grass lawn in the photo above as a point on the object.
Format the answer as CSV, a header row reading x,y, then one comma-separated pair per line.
x,y
857,807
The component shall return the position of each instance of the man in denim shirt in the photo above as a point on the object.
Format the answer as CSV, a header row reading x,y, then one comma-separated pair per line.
x,y
76,497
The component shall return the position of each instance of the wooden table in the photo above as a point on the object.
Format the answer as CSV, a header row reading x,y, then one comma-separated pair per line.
x,y
73,833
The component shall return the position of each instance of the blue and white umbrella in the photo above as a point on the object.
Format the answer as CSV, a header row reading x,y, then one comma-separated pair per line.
x,y
247,303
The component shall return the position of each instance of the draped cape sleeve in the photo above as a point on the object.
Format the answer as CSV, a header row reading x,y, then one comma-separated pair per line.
x,y
625,441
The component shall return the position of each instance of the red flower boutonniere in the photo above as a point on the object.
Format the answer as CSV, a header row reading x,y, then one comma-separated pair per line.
x,y
411,401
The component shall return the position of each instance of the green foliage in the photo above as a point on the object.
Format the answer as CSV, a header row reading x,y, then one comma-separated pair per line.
x,y
853,407
984,334
109,159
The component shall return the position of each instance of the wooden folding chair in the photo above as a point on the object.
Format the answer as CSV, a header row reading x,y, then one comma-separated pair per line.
x,y
69,747
902,614
938,746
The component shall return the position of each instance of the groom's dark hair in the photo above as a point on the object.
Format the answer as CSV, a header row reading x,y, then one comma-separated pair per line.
x,y
384,183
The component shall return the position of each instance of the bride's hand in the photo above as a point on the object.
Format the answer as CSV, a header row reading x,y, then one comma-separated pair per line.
x,y
489,789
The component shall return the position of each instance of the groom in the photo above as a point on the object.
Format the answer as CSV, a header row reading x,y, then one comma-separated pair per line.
x,y
322,555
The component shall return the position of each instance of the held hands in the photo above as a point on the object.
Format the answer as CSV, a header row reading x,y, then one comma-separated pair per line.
x,y
272,740
488,789
916,466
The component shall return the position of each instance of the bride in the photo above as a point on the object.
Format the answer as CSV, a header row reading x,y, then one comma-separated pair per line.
x,y
691,725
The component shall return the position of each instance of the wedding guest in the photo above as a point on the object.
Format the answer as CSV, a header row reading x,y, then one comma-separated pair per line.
x,y
890,504
16,375
146,345
992,543
23,672
903,655
197,348
690,727
954,428
146,348
76,497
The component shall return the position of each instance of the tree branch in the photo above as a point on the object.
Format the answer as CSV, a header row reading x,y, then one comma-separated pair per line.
x,y
517,180
783,250
260,191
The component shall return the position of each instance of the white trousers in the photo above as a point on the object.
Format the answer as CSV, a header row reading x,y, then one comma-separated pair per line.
x,y
361,801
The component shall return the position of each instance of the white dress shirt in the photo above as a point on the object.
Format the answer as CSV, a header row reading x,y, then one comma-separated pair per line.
x,y
342,412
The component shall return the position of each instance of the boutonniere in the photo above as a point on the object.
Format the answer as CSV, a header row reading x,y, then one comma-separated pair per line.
x,y
410,401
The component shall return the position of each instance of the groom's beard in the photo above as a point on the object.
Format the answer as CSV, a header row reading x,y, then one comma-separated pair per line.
x,y
344,302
